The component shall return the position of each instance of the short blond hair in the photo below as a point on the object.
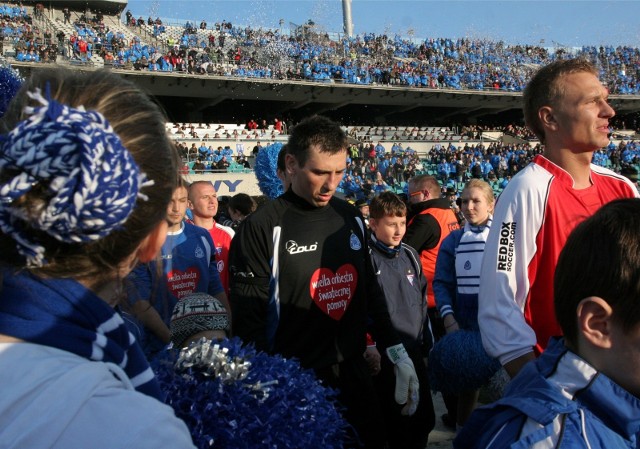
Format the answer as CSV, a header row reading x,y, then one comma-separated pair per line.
x,y
425,182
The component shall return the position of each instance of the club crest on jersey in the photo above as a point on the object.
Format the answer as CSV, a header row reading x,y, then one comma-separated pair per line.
x,y
410,277
354,242
467,265
199,252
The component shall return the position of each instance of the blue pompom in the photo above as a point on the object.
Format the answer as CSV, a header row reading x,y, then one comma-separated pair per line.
x,y
10,83
266,170
458,362
275,403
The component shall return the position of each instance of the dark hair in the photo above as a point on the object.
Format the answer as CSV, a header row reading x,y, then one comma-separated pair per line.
x,y
601,258
242,203
280,165
387,204
545,88
140,125
182,183
316,131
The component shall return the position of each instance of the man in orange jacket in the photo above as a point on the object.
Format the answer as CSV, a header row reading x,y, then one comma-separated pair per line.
x,y
431,219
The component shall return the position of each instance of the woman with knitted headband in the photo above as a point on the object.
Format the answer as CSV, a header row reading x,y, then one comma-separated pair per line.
x,y
86,173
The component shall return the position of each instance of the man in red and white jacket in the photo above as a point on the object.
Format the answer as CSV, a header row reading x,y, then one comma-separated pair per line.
x,y
567,107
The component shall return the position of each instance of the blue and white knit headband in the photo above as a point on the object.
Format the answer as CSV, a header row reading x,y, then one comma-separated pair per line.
x,y
92,178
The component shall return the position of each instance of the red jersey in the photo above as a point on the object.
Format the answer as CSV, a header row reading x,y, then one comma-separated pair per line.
x,y
533,218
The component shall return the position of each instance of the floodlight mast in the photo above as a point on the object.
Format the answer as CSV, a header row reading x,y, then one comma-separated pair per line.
x,y
346,17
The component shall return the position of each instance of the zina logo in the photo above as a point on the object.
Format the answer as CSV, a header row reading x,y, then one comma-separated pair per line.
x,y
506,246
293,248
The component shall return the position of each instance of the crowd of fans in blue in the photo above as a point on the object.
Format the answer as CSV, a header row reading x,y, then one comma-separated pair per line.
x,y
373,169
229,50
376,167
308,54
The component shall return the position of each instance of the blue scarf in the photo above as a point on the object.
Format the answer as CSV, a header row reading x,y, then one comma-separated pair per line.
x,y
468,260
384,249
63,314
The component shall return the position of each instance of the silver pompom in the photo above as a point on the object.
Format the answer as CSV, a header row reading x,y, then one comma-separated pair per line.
x,y
212,360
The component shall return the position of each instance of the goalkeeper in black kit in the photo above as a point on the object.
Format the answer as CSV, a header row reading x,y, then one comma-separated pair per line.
x,y
302,283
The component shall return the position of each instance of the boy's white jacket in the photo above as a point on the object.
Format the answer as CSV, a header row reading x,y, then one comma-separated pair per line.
x,y
55,399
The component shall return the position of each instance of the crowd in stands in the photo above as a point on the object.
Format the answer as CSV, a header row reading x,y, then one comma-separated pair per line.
x,y
38,41
372,169
206,159
435,134
370,58
385,164
375,168
230,50
262,129
91,36
31,43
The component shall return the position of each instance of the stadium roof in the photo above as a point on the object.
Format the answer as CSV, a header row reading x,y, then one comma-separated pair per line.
x,y
225,99
106,6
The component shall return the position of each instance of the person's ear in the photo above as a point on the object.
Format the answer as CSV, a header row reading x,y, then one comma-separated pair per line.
x,y
547,118
150,246
595,323
290,163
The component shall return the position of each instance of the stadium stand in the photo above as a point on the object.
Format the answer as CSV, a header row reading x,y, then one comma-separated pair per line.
x,y
303,54
382,156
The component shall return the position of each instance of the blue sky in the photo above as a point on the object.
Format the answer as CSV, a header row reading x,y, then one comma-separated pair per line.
x,y
556,22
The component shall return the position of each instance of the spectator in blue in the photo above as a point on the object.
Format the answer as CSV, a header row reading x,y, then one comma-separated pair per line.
x,y
503,183
457,278
203,151
380,186
486,168
383,166
443,170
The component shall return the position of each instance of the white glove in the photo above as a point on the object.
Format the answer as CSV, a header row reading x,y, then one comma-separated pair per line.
x,y
407,385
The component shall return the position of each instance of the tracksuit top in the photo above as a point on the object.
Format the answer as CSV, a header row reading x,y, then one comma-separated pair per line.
x,y
533,218
399,274
559,401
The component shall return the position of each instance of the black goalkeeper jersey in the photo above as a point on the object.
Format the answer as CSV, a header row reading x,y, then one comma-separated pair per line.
x,y
302,283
